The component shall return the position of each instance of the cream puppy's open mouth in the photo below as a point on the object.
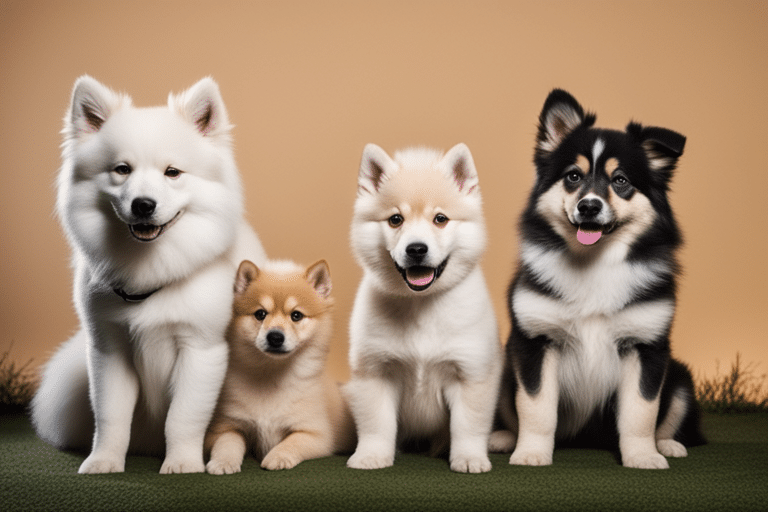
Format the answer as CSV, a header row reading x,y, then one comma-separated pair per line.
x,y
150,232
419,278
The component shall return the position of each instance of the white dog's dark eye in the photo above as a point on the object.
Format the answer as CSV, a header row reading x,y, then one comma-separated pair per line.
x,y
395,220
440,219
260,315
122,169
297,316
172,172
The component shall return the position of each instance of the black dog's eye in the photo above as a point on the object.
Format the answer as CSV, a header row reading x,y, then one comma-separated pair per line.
x,y
260,315
440,220
573,177
122,169
297,316
620,180
172,172
396,220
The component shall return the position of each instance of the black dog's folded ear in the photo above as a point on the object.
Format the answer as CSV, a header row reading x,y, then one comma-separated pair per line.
x,y
561,115
662,148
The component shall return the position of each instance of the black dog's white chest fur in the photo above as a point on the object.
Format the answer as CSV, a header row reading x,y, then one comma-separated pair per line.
x,y
586,310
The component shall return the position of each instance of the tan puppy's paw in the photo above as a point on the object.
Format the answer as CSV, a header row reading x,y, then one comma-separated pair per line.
x,y
279,460
223,467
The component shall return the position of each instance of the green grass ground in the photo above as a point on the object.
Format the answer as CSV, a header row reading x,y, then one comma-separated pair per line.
x,y
729,473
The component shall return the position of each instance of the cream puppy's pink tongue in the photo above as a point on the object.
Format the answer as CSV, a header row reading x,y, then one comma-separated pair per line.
x,y
588,237
420,276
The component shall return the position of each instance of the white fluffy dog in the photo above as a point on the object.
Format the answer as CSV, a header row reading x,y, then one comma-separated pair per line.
x,y
151,202
424,347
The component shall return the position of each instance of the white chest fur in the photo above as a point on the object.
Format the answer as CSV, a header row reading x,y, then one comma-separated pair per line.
x,y
591,311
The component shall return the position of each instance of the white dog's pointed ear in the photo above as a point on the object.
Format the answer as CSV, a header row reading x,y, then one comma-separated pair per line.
x,y
319,276
246,274
92,104
459,160
375,166
202,105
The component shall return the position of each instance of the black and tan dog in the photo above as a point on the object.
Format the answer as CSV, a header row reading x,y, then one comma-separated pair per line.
x,y
588,359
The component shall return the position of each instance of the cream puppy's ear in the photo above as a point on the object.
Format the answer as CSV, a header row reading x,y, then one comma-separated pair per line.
x,y
375,167
92,104
246,274
458,160
319,276
203,106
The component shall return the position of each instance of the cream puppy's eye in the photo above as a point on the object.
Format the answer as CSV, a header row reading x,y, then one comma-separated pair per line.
x,y
260,315
396,220
297,316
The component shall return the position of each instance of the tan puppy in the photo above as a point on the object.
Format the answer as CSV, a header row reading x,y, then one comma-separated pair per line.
x,y
276,401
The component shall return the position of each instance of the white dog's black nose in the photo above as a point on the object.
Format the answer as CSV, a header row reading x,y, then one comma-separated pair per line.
x,y
589,208
275,339
143,207
417,251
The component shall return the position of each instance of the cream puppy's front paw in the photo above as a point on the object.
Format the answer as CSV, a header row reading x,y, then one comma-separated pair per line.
x,y
470,464
189,465
530,458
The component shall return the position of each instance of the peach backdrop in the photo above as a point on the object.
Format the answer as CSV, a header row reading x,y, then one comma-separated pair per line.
x,y
307,84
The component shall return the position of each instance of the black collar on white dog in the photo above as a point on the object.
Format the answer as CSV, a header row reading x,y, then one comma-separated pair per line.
x,y
133,298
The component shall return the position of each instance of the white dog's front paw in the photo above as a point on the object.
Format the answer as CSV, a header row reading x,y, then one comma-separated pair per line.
x,y
175,465
502,441
369,461
96,464
530,458
645,461
222,467
671,448
470,464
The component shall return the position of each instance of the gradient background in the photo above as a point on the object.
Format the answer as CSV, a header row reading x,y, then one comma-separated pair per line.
x,y
307,84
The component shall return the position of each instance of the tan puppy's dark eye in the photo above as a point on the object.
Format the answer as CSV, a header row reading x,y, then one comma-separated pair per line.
x,y
396,220
440,220
297,316
260,315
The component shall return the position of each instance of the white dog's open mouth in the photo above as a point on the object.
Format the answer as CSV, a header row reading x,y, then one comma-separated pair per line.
x,y
419,278
150,232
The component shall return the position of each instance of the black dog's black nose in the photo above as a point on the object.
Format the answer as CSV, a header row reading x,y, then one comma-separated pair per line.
x,y
589,207
417,250
143,207
275,339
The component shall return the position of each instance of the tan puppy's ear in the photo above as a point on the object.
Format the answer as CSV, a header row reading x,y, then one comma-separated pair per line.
x,y
319,276
246,274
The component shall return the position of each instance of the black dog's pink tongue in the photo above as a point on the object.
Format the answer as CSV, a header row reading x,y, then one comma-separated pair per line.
x,y
587,237
420,276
